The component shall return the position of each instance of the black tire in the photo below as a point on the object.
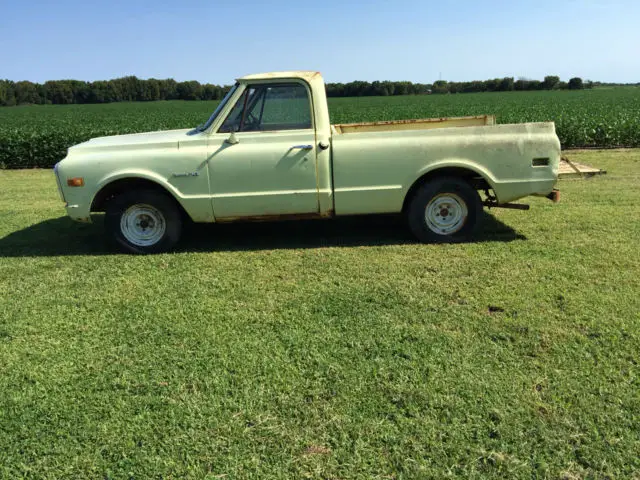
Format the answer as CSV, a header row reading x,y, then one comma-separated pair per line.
x,y
462,197
160,217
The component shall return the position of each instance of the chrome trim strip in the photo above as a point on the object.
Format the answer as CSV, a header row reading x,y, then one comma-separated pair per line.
x,y
367,189
265,193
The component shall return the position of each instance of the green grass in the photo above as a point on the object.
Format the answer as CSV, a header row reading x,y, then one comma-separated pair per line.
x,y
328,349
40,135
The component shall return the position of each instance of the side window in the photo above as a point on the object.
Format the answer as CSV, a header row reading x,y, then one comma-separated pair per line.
x,y
270,107
286,107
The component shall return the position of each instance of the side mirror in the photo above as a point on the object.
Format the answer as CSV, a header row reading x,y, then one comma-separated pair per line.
x,y
232,140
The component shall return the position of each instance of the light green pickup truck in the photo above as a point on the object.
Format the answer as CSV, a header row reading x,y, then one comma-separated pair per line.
x,y
269,152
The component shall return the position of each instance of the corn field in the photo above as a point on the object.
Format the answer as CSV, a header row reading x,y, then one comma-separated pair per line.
x,y
38,136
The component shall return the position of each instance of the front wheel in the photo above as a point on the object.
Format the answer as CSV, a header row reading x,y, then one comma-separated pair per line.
x,y
143,222
445,209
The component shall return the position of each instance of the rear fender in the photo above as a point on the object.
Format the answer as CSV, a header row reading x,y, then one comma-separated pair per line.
x,y
456,163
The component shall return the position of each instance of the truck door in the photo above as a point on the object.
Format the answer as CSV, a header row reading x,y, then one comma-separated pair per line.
x,y
262,160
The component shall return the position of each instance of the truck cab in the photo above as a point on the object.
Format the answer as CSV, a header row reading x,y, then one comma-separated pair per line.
x,y
270,149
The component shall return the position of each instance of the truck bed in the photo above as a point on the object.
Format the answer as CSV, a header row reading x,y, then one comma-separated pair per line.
x,y
376,179
420,124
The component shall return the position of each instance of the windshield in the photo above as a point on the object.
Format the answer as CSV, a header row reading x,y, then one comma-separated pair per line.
x,y
223,102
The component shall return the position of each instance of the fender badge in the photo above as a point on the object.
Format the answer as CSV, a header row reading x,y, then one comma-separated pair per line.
x,y
185,174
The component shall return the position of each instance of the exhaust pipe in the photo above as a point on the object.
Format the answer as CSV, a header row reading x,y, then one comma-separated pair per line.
x,y
554,196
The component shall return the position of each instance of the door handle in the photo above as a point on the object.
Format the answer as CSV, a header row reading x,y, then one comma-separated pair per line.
x,y
302,147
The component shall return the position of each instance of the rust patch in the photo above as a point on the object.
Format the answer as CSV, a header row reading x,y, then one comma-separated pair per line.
x,y
276,218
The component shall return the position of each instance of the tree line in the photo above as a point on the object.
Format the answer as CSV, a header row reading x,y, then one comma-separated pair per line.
x,y
507,84
126,89
133,89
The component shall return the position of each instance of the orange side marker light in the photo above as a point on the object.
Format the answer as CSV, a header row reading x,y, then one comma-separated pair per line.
x,y
75,182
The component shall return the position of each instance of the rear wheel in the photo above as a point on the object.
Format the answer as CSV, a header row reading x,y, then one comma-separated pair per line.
x,y
143,222
445,209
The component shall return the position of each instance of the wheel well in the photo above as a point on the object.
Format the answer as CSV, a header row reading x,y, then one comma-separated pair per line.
x,y
111,190
473,178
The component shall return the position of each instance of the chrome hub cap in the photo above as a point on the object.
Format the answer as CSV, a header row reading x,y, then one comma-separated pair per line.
x,y
143,225
446,214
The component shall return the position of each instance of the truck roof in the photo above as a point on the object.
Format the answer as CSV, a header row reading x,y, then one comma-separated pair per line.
x,y
306,75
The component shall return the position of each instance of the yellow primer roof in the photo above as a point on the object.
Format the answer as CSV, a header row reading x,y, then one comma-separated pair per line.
x,y
305,75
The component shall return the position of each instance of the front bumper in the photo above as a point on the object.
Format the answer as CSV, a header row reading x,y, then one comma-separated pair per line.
x,y
55,171
74,201
78,213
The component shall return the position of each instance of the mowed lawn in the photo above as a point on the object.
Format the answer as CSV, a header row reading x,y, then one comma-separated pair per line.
x,y
326,349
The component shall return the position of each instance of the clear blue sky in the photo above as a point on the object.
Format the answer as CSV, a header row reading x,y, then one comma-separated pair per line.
x,y
415,40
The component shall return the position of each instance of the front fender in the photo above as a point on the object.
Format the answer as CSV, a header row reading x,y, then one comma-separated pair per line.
x,y
198,206
141,174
